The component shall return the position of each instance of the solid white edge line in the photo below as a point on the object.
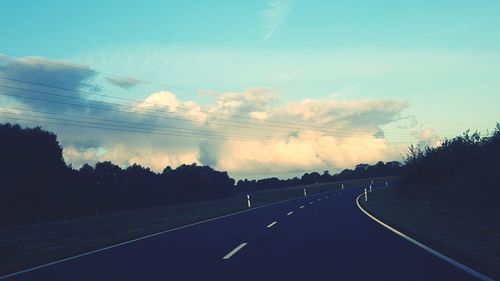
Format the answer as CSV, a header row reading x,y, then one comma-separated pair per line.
x,y
271,224
234,251
426,248
155,234
289,213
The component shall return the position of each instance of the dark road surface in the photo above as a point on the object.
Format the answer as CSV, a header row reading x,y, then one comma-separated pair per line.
x,y
328,238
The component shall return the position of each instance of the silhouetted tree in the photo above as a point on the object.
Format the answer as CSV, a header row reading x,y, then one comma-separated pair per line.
x,y
32,170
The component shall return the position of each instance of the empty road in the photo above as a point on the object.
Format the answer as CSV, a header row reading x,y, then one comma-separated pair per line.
x,y
322,237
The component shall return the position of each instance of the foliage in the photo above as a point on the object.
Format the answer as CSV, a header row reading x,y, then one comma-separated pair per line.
x,y
36,185
462,170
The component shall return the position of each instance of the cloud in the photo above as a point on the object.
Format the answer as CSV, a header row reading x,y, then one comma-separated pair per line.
x,y
294,137
247,133
310,151
367,114
124,82
170,103
259,115
274,16
315,135
127,154
209,152
253,99
427,137
28,80
40,70
163,99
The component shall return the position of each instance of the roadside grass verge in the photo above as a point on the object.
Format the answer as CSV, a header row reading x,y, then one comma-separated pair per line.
x,y
468,236
27,246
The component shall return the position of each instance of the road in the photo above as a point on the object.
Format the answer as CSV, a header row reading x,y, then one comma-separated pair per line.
x,y
322,237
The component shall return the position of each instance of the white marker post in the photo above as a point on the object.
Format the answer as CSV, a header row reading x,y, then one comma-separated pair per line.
x,y
386,184
366,196
370,188
342,186
248,201
372,181
305,192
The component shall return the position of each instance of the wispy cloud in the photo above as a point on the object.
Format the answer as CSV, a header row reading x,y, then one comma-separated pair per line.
x,y
274,16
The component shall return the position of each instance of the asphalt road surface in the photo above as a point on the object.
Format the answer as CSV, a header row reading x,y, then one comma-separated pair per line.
x,y
322,237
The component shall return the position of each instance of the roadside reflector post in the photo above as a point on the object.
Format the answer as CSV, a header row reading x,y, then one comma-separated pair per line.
x,y
342,186
366,196
305,192
370,188
248,201
372,181
386,184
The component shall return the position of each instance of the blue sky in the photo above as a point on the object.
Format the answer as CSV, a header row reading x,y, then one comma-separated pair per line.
x,y
61,28
441,58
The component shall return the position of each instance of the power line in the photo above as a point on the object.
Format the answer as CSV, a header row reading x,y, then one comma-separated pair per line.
x,y
170,127
136,131
343,131
89,126
128,129
147,128
230,123
124,122
108,75
142,131
279,123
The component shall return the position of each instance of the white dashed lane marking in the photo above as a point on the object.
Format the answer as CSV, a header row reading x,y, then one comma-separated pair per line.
x,y
234,251
271,224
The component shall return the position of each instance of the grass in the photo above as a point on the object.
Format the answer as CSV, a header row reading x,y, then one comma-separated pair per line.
x,y
468,236
26,246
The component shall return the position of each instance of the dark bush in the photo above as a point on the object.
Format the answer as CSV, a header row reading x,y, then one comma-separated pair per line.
x,y
462,170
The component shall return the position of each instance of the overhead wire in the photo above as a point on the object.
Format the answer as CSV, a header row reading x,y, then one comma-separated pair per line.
x,y
143,128
230,123
254,125
177,108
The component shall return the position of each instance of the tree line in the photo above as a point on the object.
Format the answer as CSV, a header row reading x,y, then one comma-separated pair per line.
x,y
36,184
380,169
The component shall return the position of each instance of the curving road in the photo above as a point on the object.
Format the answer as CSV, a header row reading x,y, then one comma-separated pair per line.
x,y
322,237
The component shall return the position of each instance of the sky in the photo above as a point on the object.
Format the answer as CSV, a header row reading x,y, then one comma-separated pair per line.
x,y
257,88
